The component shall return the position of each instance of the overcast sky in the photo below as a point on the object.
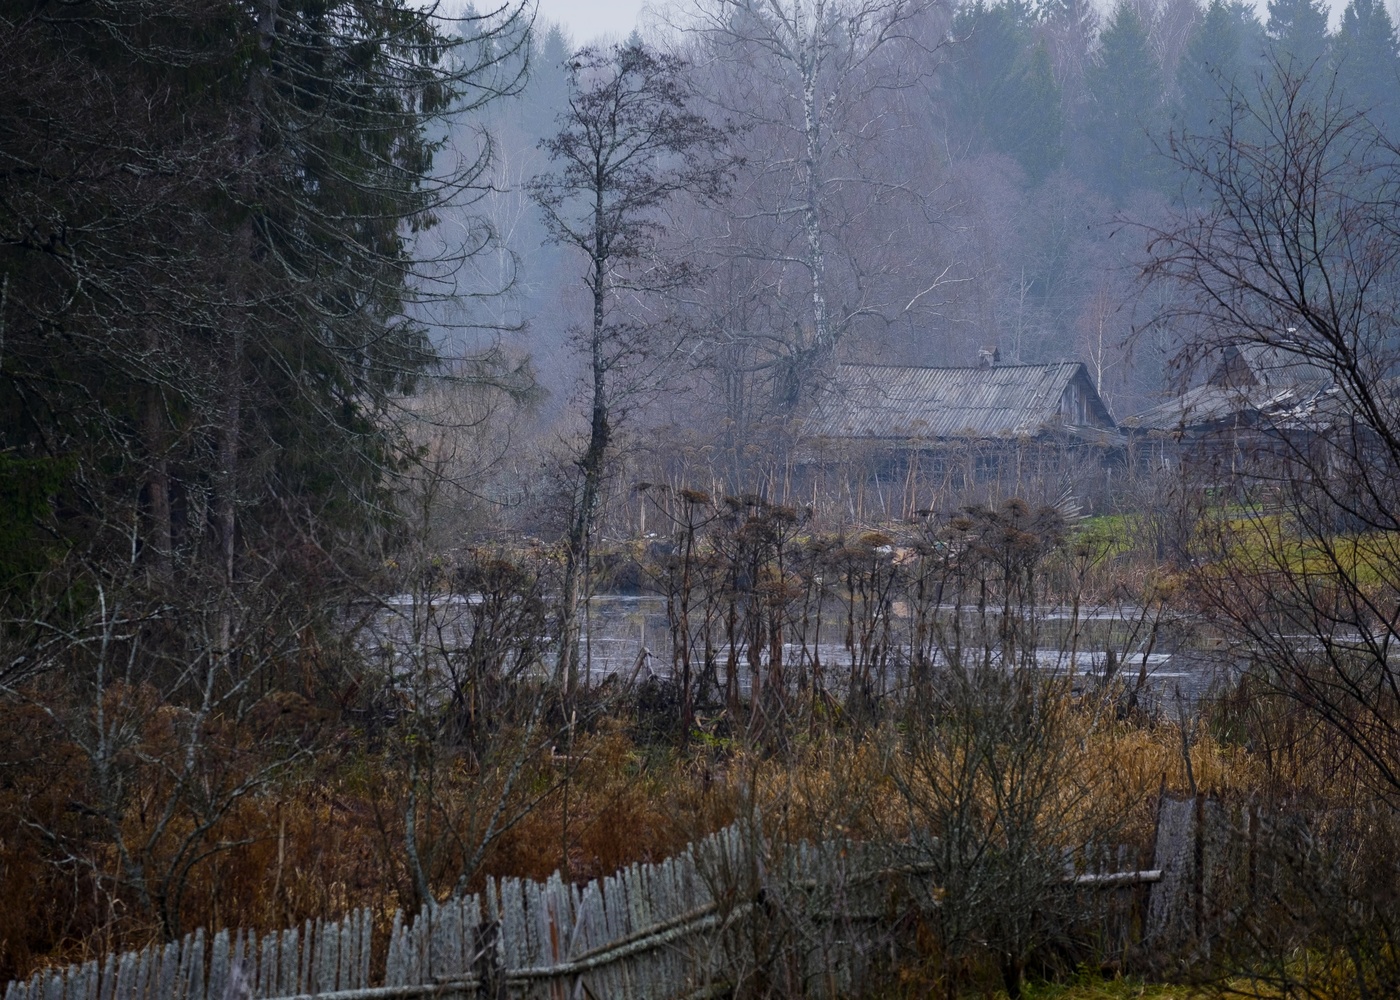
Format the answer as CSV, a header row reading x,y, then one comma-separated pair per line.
x,y
587,19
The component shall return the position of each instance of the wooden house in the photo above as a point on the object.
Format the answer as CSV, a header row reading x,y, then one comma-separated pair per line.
x,y
1258,401
914,428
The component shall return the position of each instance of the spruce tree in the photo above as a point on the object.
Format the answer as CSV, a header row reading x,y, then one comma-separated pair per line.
x,y
1125,114
1003,93
1221,57
984,62
1039,142
1297,32
206,225
1367,58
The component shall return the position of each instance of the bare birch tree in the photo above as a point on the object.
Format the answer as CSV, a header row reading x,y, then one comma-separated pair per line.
x,y
813,80
629,144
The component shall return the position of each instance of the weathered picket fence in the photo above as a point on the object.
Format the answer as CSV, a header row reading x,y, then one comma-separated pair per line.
x,y
634,934
1218,858
689,926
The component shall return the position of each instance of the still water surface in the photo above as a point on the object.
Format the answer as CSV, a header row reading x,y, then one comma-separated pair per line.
x,y
628,638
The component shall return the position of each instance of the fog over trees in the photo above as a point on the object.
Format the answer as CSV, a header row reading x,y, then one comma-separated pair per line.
x,y
920,180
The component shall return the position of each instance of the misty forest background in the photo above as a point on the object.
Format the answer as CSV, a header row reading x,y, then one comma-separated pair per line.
x,y
911,182
976,185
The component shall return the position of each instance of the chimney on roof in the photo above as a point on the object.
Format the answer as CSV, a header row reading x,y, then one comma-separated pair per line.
x,y
988,356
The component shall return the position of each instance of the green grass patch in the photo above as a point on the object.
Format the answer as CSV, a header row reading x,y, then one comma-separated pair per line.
x,y
1114,534
1276,543
1093,988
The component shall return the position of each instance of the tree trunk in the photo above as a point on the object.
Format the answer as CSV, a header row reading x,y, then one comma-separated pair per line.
x,y
591,467
230,415
823,340
157,541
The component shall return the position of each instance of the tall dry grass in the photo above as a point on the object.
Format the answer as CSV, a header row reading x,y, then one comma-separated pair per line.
x,y
329,835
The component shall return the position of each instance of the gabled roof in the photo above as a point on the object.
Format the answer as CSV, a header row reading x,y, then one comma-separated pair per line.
x,y
998,401
1251,380
1268,367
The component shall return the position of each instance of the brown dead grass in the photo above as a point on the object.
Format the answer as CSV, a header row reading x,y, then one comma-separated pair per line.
x,y
329,836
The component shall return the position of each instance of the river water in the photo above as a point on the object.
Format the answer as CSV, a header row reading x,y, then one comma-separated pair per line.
x,y
627,638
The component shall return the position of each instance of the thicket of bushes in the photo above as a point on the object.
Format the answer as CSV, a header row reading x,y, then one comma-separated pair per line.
x,y
283,781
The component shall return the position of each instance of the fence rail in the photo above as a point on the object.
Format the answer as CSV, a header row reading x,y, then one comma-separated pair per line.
x,y
670,929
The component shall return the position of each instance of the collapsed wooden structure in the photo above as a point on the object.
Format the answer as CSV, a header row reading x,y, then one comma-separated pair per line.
x,y
1258,401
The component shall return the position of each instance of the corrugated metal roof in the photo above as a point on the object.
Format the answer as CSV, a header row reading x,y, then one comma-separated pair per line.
x,y
1208,404
1001,401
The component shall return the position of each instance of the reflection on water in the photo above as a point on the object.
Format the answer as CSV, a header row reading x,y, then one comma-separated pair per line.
x,y
628,638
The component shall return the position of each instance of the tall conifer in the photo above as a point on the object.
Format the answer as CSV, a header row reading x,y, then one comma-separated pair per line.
x,y
1125,106
1222,56
1367,58
1003,89
1297,31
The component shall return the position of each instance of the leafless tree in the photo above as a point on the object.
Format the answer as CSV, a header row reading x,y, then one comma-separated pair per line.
x,y
1290,248
463,649
166,718
993,771
815,82
1070,29
1288,254
630,143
